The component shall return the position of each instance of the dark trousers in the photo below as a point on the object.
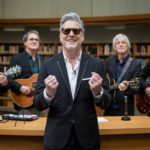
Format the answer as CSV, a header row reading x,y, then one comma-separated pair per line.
x,y
73,143
112,112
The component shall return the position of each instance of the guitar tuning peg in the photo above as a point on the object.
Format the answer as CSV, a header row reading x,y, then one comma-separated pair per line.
x,y
16,74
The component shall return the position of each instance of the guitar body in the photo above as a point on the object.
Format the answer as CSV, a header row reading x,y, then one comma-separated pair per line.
x,y
143,102
26,100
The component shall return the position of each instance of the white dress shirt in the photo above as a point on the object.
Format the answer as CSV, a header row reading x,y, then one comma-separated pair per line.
x,y
73,76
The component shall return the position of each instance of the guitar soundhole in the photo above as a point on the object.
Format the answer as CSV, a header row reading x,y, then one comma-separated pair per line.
x,y
33,85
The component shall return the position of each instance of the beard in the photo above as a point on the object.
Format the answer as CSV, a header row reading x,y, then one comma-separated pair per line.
x,y
72,48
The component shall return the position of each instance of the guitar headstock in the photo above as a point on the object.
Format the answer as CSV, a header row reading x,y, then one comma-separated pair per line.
x,y
13,71
135,83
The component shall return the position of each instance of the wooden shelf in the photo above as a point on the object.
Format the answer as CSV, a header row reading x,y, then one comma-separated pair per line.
x,y
5,98
8,53
46,54
142,56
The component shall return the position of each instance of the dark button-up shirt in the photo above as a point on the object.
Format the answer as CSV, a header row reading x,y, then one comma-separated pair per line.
x,y
119,67
33,64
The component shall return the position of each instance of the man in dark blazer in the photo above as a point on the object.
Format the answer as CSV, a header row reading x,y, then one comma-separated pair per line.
x,y
144,75
114,66
3,81
65,87
30,63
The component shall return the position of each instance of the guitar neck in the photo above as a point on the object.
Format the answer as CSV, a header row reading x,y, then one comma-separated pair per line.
x,y
114,87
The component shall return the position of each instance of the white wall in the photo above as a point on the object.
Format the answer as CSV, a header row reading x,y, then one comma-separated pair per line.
x,y
120,7
1,9
20,9
45,8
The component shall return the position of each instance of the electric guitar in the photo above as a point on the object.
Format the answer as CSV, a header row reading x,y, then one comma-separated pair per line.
x,y
143,102
26,100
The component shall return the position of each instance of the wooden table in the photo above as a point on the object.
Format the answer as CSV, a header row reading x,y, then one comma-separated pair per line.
x,y
115,134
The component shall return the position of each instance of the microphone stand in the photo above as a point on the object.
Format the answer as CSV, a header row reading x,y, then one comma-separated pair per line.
x,y
21,105
125,118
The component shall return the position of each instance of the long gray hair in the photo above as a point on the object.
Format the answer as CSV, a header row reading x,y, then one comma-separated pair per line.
x,y
122,37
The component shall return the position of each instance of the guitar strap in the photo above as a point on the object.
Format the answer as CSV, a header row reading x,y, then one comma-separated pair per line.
x,y
124,69
39,61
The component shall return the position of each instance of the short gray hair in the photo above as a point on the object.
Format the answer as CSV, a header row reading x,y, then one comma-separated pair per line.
x,y
71,16
122,37
25,37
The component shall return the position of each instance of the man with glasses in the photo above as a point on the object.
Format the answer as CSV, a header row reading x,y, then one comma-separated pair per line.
x,y
115,68
30,63
70,86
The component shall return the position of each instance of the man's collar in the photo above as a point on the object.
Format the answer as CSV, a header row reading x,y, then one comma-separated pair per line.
x,y
29,56
124,59
67,60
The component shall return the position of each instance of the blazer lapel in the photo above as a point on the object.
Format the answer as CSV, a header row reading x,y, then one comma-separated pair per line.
x,y
26,62
83,65
113,66
63,70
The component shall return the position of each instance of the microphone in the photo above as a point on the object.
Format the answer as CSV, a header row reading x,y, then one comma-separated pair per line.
x,y
125,118
74,72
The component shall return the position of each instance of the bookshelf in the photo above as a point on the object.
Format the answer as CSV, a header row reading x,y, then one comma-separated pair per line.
x,y
139,50
101,50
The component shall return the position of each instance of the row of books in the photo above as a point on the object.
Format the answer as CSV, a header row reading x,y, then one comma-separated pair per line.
x,y
59,48
5,59
4,68
46,49
106,49
9,49
142,49
87,49
143,61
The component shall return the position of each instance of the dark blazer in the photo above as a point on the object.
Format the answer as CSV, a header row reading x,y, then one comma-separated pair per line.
x,y
3,89
132,72
63,109
21,60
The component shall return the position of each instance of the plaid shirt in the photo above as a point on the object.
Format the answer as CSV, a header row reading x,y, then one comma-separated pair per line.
x,y
33,64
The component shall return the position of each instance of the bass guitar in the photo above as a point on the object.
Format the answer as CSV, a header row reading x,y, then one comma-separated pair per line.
x,y
143,102
25,100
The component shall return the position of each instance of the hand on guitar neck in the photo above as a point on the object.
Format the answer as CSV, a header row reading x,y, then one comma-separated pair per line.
x,y
135,83
123,86
3,79
147,91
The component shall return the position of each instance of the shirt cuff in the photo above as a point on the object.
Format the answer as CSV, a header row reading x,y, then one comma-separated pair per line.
x,y
46,97
97,97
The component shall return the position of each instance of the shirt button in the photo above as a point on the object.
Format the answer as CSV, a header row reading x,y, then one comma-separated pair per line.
x,y
70,121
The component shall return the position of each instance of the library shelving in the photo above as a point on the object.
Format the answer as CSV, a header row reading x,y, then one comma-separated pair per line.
x,y
102,50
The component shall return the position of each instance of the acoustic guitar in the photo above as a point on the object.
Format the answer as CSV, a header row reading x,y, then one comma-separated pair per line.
x,y
134,83
143,102
26,100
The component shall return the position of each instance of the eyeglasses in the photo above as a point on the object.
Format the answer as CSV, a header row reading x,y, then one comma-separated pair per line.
x,y
32,39
122,42
67,31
